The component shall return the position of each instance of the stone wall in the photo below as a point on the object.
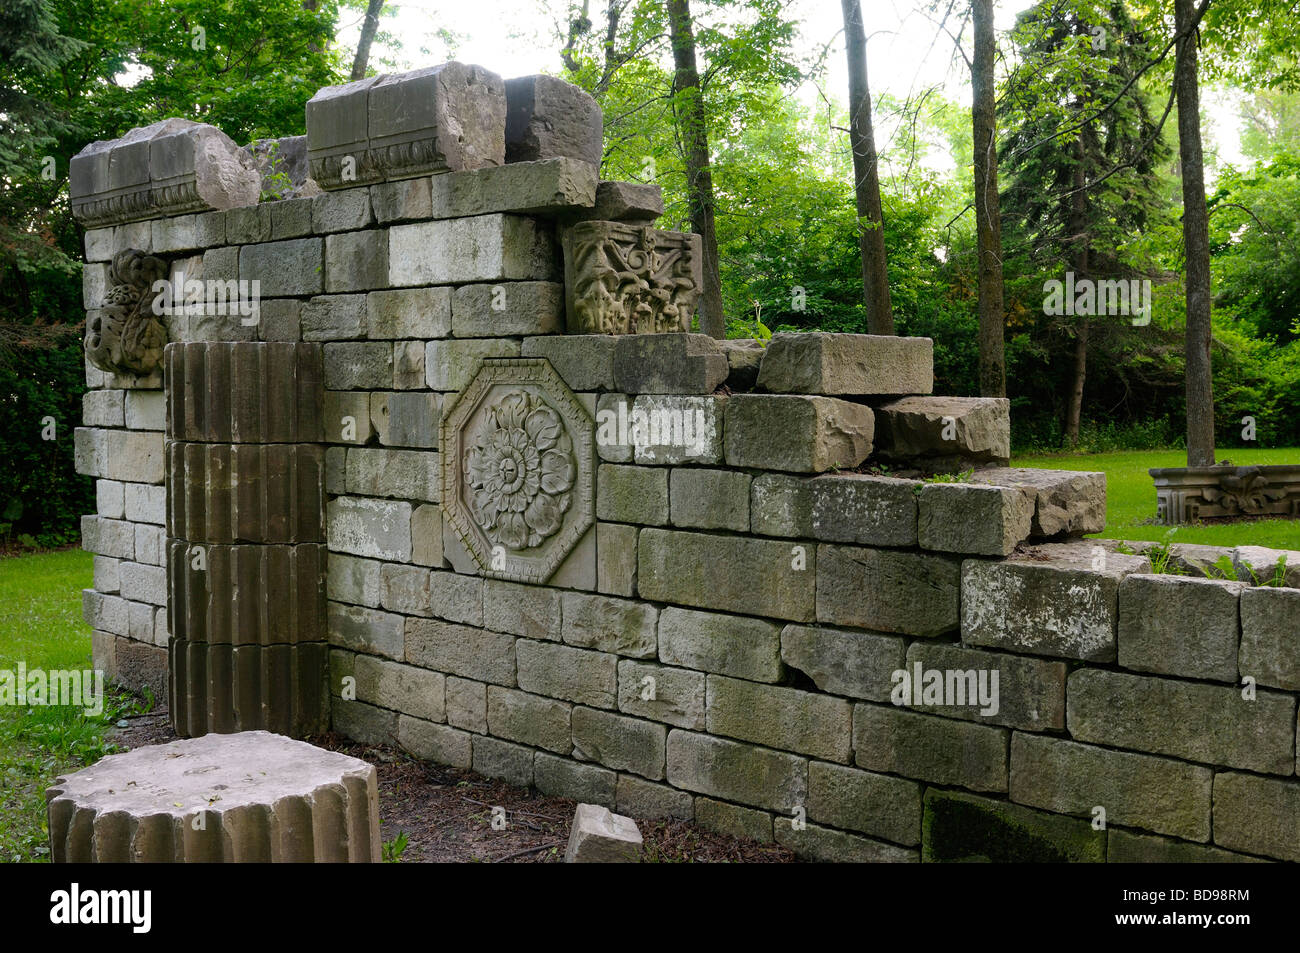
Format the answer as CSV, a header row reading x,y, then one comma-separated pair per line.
x,y
705,621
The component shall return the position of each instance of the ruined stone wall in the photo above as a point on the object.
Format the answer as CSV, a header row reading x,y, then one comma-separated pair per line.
x,y
705,622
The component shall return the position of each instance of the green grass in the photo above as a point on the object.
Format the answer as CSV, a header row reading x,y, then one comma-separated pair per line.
x,y
1131,497
41,626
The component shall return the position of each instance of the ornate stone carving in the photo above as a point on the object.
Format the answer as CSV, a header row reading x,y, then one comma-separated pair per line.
x,y
1188,494
125,336
630,279
518,458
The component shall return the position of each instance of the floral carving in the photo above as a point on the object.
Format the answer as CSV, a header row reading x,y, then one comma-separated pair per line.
x,y
125,336
520,470
631,279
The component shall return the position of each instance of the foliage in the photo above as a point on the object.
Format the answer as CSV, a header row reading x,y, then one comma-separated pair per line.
x,y
395,848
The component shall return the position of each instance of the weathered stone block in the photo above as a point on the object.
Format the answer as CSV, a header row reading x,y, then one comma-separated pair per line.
x,y
515,307
836,847
1138,790
616,559
632,494
1130,847
576,675
500,759
408,474
457,598
352,580
929,748
599,837
104,612
1257,815
529,611
585,362
379,529
710,499
671,363
940,432
450,365
279,320
1270,644
911,593
795,433
620,626
352,365
408,365
1068,502
426,535
110,499
106,577
873,804
347,417
729,645
103,408
433,742
402,688
785,718
404,589
1179,625
518,716
333,318
285,269
467,704
366,630
356,261
1029,693
402,201
406,419
633,202
698,569
560,777
464,250
619,742
967,518
857,664
547,117
857,364
1212,724
409,313
544,187
736,772
965,828
145,410
461,650
733,821
1260,566
672,695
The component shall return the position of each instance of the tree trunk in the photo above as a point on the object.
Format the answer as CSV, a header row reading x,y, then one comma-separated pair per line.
x,y
988,225
1196,242
1081,238
866,177
688,103
368,30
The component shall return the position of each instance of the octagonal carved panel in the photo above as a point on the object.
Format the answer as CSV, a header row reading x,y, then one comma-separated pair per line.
x,y
518,469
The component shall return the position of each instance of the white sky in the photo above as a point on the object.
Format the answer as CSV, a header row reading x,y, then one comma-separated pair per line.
x,y
517,37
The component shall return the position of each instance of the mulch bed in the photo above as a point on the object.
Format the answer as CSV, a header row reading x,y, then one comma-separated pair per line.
x,y
447,814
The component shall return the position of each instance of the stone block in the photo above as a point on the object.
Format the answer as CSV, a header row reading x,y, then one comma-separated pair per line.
x,y
930,749
724,644
352,365
404,589
1130,847
710,499
620,626
405,474
457,598
408,365
1179,625
1029,693
837,847
458,251
736,772
1137,790
281,801
146,410
333,318
395,126
974,519
246,226
532,612
106,577
379,529
547,117
352,580
855,364
672,363
426,535
632,494
675,696
796,433
290,218
409,313
1260,566
633,202
585,362
285,269
965,828
280,320
406,419
467,704
887,590
670,429
402,201
857,664
641,798
356,261
511,763
142,583
1211,724
543,187
698,569
366,630
450,365
105,613
841,507
576,675
401,688
560,777
944,432
616,559
599,837
110,499
873,804
341,211
785,718
1270,645
1066,502
510,308
1257,815
432,742
531,719
103,408
619,742
461,650
732,820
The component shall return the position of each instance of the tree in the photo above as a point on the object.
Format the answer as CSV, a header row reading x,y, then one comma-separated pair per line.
x,y
692,124
866,177
1196,242
988,223
368,30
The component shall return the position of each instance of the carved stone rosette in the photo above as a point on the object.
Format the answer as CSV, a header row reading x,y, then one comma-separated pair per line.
x,y
125,336
630,279
1188,494
518,463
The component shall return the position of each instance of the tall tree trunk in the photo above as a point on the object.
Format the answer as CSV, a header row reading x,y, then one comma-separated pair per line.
x,y
368,30
689,104
1080,238
866,177
988,225
1196,242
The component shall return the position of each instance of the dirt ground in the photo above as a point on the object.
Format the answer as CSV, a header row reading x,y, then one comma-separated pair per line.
x,y
447,814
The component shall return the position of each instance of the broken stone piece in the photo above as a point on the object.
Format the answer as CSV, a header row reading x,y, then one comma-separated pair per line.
x,y
600,836
816,362
547,118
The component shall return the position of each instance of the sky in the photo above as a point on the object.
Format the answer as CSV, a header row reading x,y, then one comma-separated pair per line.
x,y
518,37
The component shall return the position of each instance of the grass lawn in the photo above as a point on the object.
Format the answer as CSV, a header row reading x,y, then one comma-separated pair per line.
x,y
41,626
1131,497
